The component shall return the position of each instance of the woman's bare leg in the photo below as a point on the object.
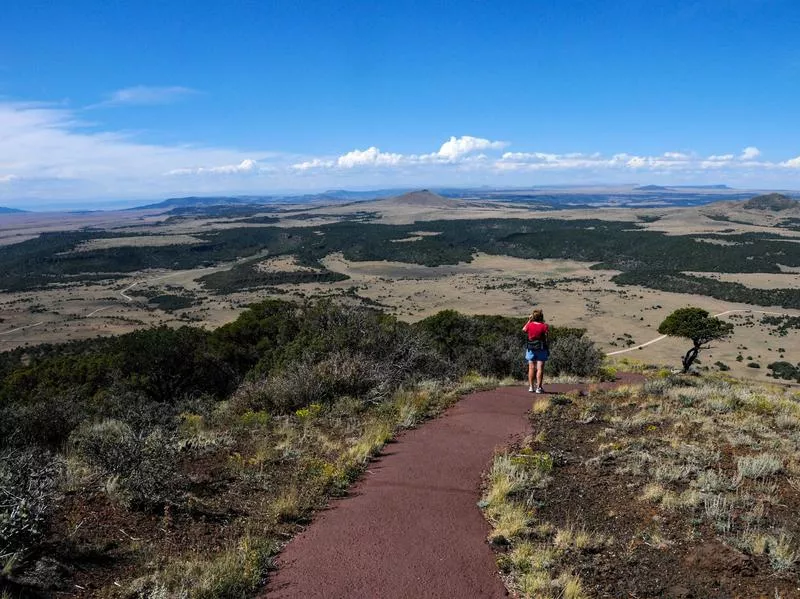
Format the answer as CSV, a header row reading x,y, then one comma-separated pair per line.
x,y
539,373
530,373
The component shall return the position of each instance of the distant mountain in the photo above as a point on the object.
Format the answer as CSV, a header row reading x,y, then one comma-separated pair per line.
x,y
4,210
196,202
651,188
425,199
771,201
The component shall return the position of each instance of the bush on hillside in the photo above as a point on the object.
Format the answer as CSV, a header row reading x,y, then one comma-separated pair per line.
x,y
489,345
336,351
45,421
140,469
342,372
574,355
29,481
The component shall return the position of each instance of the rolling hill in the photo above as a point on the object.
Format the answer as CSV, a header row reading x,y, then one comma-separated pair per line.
x,y
771,201
423,199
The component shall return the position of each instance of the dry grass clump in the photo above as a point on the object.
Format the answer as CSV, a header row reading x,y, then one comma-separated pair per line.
x,y
578,538
672,434
29,493
783,554
371,441
236,572
509,521
713,481
719,510
534,564
759,466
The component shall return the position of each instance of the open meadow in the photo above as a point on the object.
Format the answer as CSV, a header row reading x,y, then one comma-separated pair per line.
x,y
135,269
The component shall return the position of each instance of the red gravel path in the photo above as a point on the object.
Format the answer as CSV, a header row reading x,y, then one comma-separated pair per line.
x,y
411,527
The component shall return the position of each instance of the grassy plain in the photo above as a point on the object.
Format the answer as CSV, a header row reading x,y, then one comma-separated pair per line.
x,y
617,317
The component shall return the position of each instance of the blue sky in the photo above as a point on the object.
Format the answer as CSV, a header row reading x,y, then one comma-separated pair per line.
x,y
114,100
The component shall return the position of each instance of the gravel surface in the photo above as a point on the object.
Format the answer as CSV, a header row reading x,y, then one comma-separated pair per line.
x,y
411,527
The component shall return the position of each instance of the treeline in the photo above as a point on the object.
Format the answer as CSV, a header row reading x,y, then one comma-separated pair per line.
x,y
51,258
679,282
782,324
247,276
649,258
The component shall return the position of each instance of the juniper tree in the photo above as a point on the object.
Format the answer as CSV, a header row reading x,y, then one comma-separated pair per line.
x,y
697,325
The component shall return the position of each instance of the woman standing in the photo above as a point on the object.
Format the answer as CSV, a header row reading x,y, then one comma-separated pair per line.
x,y
536,349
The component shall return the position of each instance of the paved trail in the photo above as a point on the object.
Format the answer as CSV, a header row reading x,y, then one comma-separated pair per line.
x,y
411,527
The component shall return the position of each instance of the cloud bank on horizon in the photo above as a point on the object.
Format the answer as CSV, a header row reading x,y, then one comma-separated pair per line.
x,y
50,152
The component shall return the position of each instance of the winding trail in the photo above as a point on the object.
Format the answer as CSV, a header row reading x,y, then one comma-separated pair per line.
x,y
29,326
124,295
411,527
657,339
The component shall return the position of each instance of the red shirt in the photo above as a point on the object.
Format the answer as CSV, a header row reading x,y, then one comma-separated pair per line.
x,y
535,330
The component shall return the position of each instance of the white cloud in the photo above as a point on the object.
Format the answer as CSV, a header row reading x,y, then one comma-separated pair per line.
x,y
456,147
52,154
750,153
247,165
145,95
457,150
679,163
793,163
636,162
47,152
533,156
370,157
675,156
316,163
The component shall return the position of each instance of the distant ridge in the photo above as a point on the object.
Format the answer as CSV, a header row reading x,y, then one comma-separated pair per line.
x,y
4,210
717,186
771,201
194,202
651,188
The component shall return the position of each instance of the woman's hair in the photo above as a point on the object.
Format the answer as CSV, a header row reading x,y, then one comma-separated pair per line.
x,y
537,315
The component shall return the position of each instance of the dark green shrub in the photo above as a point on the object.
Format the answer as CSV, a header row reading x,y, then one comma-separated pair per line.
x,y
46,422
29,480
142,467
167,364
785,370
489,345
340,373
574,355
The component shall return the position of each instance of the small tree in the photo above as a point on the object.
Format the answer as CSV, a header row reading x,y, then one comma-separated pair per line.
x,y
697,325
